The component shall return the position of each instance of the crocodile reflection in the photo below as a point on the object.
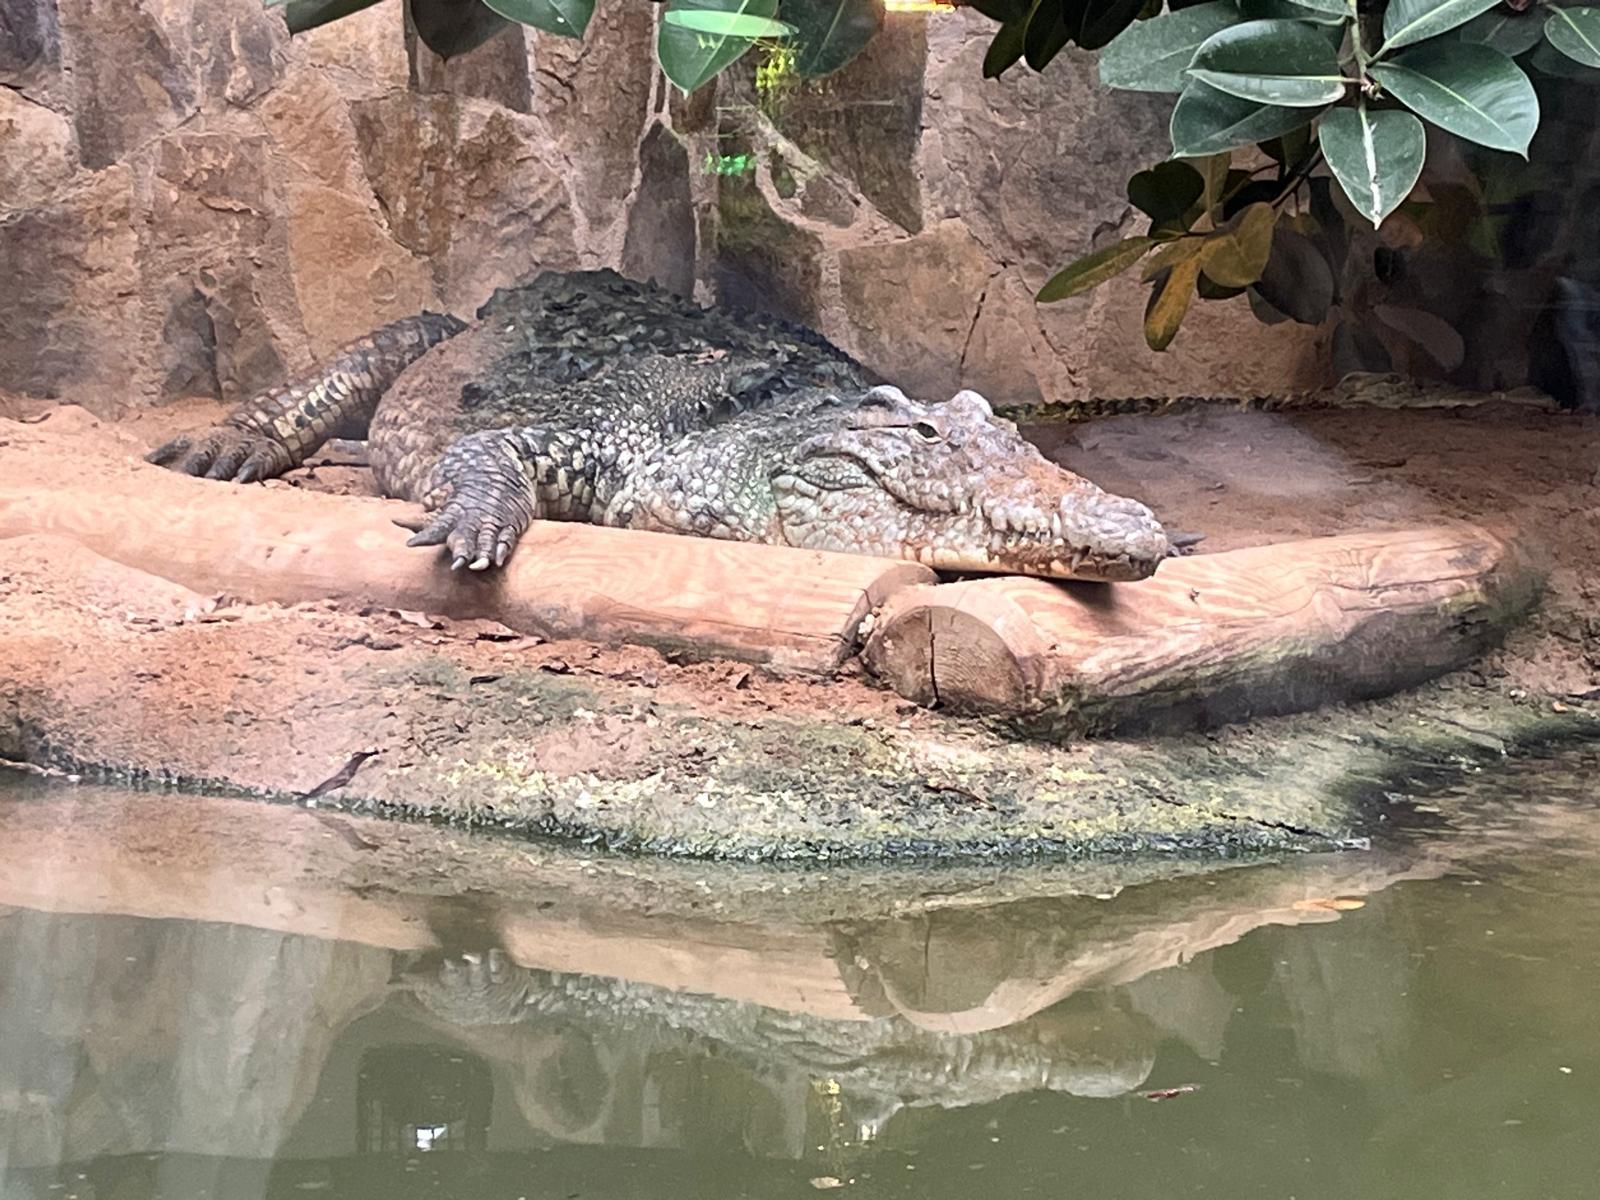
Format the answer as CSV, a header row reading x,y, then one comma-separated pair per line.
x,y
872,1068
310,1028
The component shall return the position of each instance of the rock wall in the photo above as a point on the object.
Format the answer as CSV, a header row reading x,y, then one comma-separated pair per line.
x,y
192,203
911,209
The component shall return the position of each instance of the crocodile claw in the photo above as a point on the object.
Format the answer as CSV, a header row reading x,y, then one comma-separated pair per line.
x,y
480,505
223,453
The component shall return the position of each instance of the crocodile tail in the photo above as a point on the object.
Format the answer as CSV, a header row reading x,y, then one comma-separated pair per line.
x,y
335,399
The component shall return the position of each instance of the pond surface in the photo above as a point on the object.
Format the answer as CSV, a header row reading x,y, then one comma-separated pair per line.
x,y
1418,1021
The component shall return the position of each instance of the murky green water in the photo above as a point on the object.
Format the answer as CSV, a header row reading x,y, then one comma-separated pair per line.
x,y
1227,1035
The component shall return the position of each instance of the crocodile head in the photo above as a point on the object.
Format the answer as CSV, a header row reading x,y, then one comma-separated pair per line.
x,y
953,486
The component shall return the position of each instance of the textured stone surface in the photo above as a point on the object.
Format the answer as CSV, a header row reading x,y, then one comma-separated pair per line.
x,y
30,39
495,71
193,202
660,243
75,261
350,275
910,304
765,262
594,97
364,55
865,121
36,151
1008,180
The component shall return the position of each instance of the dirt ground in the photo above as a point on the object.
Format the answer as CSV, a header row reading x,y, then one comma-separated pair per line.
x,y
104,665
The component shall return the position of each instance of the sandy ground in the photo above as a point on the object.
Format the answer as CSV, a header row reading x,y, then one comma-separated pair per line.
x,y
107,665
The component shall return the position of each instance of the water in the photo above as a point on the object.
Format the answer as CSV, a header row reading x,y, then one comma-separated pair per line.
x,y
1421,1021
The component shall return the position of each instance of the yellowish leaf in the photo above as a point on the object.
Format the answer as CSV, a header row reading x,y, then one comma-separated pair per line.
x,y
1170,255
1170,303
1236,254
1094,269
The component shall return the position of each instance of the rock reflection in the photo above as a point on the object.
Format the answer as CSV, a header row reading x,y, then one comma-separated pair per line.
x,y
122,1036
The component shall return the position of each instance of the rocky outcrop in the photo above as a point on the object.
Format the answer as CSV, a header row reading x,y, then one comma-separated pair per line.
x,y
912,208
193,203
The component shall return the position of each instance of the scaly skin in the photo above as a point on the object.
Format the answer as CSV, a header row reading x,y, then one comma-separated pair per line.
x,y
882,1062
280,429
950,485
587,397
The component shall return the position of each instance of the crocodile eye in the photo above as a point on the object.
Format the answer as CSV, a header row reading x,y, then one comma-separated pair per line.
x,y
927,432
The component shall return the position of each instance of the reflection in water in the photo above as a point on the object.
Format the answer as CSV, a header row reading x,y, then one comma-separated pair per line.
x,y
1439,1041
422,1098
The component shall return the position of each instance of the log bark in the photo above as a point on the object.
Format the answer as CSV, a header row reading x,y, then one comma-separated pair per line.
x,y
1209,639
793,610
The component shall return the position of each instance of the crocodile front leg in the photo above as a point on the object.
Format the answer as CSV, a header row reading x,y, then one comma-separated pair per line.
x,y
483,495
488,486
280,429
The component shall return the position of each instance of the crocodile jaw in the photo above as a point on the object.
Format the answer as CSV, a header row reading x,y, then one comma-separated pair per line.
x,y
1086,534
957,488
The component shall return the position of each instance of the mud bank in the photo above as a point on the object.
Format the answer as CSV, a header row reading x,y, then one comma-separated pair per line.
x,y
122,675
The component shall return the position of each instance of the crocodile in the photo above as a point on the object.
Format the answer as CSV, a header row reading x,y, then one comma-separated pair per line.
x,y
584,396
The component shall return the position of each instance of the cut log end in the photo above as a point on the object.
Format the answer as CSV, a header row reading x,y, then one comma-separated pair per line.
x,y
1210,639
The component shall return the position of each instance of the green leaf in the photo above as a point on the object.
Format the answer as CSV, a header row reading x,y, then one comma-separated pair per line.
x,y
1263,310
1510,32
1235,255
1576,33
1103,20
830,33
691,58
1047,33
1206,121
1169,303
569,18
1209,289
452,27
1297,281
302,15
1471,91
1406,22
723,24
1005,49
1547,60
1375,156
1272,62
1152,55
1332,8
1165,193
1289,10
1094,269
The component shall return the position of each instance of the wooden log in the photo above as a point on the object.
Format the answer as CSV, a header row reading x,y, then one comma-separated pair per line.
x,y
1209,639
794,610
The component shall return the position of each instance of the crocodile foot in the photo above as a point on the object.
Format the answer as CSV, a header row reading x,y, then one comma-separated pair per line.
x,y
224,453
480,502
472,989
